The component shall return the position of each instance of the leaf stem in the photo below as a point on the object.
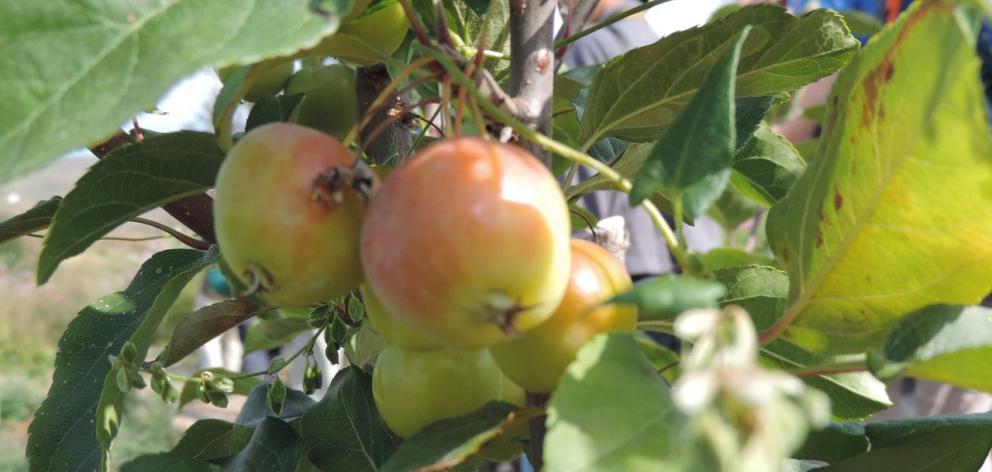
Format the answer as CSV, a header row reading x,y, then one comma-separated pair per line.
x,y
306,347
187,240
565,151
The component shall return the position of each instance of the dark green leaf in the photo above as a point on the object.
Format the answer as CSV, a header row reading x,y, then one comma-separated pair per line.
x,y
212,439
663,298
944,343
663,359
853,396
74,70
631,426
835,443
762,291
63,430
205,324
242,386
256,407
748,113
608,150
37,218
272,109
274,446
451,441
766,167
694,156
163,462
343,431
126,183
937,443
637,96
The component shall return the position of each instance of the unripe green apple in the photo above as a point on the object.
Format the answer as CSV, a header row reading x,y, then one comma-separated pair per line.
x,y
390,328
511,444
537,359
413,389
268,82
366,39
329,101
467,242
279,225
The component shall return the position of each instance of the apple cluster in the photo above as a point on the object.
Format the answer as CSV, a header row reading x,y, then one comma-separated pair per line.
x,y
462,256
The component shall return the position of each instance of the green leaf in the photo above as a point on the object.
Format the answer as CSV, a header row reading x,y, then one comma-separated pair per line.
x,y
834,443
268,333
452,441
126,183
748,113
761,291
272,109
147,316
364,346
637,96
273,446
632,428
164,462
944,443
766,167
74,70
37,218
895,213
205,324
726,258
732,209
63,430
242,386
662,298
853,396
344,431
256,408
694,157
212,439
945,343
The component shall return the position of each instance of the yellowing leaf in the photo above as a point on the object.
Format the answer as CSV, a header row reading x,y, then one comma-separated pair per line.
x,y
896,211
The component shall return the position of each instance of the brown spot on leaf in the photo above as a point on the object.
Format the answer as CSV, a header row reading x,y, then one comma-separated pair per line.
x,y
819,239
889,70
785,255
838,200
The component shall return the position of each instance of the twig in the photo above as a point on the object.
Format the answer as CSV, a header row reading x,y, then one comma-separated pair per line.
x,y
418,28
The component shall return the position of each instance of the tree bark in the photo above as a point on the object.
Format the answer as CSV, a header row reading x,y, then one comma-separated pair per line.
x,y
370,82
532,65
